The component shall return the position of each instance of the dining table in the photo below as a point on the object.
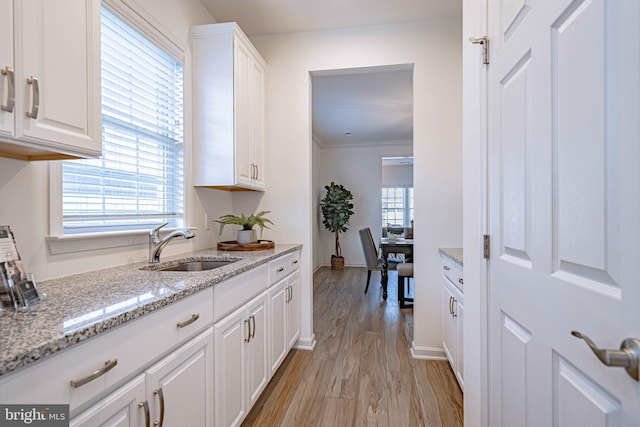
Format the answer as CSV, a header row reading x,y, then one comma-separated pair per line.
x,y
397,245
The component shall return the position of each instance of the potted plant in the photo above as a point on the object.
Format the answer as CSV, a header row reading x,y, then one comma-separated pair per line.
x,y
336,210
247,234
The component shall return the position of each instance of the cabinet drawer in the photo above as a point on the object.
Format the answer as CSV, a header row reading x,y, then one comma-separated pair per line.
x,y
231,294
452,271
283,266
134,345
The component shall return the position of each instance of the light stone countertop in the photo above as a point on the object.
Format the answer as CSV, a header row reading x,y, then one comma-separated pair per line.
x,y
82,306
453,253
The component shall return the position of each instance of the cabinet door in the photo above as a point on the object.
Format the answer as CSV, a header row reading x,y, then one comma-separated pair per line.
x,y
257,124
179,386
450,333
229,372
242,101
60,47
278,323
293,310
6,60
120,409
257,355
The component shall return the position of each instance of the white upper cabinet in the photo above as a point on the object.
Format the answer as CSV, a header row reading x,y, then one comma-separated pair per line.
x,y
228,109
50,53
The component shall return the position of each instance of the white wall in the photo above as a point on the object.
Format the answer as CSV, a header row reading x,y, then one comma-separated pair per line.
x,y
397,175
359,169
24,186
434,47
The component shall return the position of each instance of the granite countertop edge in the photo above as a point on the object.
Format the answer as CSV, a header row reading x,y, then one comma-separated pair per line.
x,y
455,254
15,357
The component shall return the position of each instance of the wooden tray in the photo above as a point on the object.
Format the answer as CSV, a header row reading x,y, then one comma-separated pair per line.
x,y
233,245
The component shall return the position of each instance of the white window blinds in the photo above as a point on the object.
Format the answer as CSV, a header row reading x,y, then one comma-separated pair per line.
x,y
138,182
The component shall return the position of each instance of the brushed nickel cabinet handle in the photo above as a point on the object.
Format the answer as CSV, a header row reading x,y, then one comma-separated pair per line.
x,y
295,262
248,338
160,395
33,114
446,268
108,365
257,172
253,320
189,321
147,418
461,280
454,312
11,89
280,270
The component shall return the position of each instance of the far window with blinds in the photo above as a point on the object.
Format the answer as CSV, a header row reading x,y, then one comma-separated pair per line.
x,y
138,182
397,206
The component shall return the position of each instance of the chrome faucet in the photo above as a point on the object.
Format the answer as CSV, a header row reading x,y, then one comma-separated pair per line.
x,y
156,244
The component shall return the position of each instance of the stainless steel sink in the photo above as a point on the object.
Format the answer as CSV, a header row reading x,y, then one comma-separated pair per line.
x,y
191,265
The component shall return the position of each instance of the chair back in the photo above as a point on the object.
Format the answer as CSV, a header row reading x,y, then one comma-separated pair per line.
x,y
369,248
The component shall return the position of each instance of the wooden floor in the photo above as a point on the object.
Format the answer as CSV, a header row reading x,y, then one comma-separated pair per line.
x,y
361,371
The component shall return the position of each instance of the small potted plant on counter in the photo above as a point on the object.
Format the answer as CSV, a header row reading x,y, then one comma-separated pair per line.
x,y
336,210
247,234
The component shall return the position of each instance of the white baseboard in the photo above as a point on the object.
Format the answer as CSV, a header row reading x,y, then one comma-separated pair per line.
x,y
305,343
427,353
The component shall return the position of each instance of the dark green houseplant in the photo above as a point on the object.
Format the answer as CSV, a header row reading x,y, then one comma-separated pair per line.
x,y
336,210
246,234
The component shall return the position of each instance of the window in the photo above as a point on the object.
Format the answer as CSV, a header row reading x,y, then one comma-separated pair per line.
x,y
138,182
397,206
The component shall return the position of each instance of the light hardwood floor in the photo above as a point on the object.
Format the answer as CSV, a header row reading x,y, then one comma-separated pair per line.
x,y
361,371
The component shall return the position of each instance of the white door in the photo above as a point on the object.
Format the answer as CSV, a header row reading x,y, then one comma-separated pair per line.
x,y
278,324
564,209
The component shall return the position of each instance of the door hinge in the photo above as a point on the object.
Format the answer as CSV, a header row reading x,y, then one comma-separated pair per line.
x,y
486,246
484,41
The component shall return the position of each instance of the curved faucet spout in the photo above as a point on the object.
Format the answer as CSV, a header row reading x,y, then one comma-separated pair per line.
x,y
156,244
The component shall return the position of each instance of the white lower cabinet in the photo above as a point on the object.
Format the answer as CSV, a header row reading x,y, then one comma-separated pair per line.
x,y
240,366
452,300
284,312
176,391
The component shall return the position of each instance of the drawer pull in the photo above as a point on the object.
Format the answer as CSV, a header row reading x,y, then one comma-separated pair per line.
x,y
280,270
193,318
295,262
253,320
147,417
446,268
108,365
461,281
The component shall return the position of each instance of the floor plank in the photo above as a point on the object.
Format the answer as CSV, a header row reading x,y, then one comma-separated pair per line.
x,y
361,372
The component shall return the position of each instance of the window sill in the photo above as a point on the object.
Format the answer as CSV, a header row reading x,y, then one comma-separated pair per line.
x,y
94,241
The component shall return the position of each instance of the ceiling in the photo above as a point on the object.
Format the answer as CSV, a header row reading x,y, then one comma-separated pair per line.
x,y
364,107
259,17
374,105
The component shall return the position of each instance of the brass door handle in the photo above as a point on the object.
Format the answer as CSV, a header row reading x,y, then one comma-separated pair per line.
x,y
627,357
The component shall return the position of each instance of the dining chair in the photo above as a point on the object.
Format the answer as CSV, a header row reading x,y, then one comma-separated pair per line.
x,y
372,260
405,272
